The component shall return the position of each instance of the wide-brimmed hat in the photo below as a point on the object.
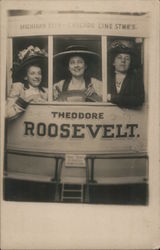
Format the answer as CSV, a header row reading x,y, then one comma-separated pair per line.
x,y
72,50
31,55
61,59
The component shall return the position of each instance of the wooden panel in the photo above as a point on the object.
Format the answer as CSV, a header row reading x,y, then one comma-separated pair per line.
x,y
79,23
45,128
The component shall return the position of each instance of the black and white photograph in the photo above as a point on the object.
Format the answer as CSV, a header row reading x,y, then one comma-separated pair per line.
x,y
60,151
77,97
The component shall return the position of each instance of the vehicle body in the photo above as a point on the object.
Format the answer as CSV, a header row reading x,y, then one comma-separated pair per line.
x,y
112,140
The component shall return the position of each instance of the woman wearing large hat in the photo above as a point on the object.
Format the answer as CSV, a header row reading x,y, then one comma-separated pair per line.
x,y
78,85
125,85
28,77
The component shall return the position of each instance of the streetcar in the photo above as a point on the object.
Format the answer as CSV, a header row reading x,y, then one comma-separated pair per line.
x,y
78,147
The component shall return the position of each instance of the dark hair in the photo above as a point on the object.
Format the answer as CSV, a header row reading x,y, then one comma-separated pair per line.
x,y
24,74
68,75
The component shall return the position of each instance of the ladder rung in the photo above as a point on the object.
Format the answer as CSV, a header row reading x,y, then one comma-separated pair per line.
x,y
78,191
71,197
75,185
71,190
73,194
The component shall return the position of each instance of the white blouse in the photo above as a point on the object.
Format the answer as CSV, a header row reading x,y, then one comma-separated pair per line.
x,y
17,91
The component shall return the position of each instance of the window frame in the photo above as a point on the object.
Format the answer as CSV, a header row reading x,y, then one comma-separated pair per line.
x,y
104,71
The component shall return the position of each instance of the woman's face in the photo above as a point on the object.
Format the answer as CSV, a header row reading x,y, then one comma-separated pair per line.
x,y
77,66
122,62
34,76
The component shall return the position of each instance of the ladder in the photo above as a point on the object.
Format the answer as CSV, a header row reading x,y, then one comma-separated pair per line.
x,y
74,179
72,192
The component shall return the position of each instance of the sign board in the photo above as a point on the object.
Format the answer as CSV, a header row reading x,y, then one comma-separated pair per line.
x,y
79,129
79,23
75,160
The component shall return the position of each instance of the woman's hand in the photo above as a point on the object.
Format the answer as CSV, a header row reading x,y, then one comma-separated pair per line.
x,y
90,90
56,92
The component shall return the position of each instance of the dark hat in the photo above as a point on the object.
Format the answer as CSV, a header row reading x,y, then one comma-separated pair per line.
x,y
31,55
122,46
76,50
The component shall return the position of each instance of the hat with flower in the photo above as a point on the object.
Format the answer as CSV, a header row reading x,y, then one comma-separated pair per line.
x,y
122,46
29,56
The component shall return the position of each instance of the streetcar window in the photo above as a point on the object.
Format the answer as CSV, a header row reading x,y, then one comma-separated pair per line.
x,y
125,84
98,72
88,50
19,44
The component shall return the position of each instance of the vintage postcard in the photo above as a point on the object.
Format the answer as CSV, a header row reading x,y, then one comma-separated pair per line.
x,y
80,124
